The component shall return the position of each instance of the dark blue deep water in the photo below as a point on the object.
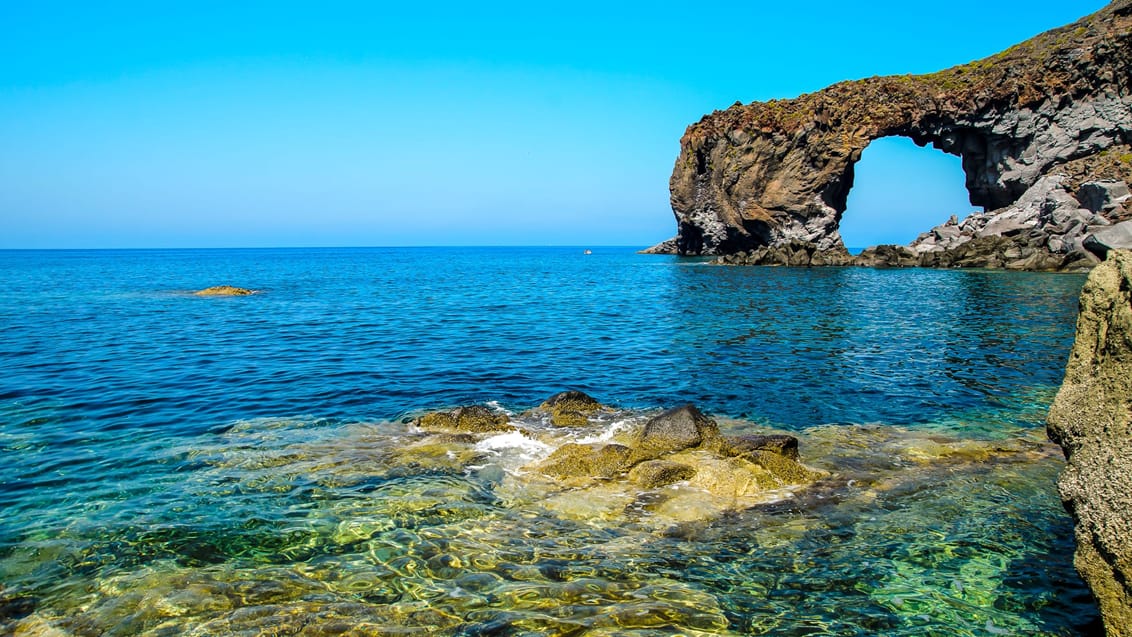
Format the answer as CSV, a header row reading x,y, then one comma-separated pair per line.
x,y
139,425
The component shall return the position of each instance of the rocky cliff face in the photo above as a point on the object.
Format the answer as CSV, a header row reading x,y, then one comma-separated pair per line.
x,y
1091,419
773,173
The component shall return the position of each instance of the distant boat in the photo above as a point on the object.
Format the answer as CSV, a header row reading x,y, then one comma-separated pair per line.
x,y
588,252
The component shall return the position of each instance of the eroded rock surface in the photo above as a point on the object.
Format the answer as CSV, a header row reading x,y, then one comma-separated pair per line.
x,y
774,174
1091,419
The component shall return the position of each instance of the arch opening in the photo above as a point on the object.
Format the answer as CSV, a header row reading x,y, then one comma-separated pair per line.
x,y
901,190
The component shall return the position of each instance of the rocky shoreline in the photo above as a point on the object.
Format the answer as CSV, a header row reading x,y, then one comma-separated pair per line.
x,y
1048,229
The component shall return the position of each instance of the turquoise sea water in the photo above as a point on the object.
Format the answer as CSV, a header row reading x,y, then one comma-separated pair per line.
x,y
175,464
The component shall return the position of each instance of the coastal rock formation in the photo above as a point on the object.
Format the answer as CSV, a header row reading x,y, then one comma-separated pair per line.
x,y
774,174
683,444
569,409
469,419
1091,419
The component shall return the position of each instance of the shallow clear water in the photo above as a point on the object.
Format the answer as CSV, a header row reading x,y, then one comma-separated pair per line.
x,y
177,464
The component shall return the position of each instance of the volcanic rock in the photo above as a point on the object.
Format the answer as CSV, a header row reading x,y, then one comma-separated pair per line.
x,y
776,174
675,430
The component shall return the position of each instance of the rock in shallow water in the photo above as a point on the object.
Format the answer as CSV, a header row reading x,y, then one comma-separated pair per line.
x,y
570,408
469,419
1091,419
224,290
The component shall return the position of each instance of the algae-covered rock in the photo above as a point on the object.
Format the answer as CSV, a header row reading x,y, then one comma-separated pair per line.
x,y
1091,418
224,290
576,461
570,408
784,470
651,474
471,419
675,430
782,444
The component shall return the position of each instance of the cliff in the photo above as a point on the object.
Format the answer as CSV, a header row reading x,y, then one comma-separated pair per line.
x,y
771,174
1091,419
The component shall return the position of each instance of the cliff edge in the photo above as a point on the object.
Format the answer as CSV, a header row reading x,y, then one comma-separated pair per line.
x,y
777,173
1091,419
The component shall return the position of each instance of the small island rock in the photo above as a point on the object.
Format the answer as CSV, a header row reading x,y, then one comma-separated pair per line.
x,y
224,290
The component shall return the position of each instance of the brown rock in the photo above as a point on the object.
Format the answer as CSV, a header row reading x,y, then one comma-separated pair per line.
x,y
1091,418
224,290
575,461
471,419
570,408
651,474
781,444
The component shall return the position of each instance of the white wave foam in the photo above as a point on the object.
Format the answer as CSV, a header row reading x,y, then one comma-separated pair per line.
x,y
514,444
497,408
608,434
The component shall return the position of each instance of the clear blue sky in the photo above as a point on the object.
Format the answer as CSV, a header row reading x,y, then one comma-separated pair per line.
x,y
338,124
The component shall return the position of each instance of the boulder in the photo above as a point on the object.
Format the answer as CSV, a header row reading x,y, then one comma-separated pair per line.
x,y
675,430
570,408
780,444
1103,196
470,419
651,474
583,462
1091,418
1105,238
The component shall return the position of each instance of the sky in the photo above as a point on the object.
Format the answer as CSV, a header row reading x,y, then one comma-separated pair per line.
x,y
272,124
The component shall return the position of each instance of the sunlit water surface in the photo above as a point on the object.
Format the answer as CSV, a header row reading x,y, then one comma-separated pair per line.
x,y
174,464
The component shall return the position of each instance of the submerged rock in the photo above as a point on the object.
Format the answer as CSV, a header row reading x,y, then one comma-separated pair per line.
x,y
470,419
224,290
1091,419
780,444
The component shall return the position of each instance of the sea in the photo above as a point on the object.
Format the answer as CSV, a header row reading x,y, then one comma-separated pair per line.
x,y
174,464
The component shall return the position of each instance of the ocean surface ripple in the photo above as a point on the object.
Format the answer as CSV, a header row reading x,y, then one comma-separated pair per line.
x,y
156,440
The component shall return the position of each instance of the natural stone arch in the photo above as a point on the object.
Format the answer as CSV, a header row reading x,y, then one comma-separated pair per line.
x,y
772,173
899,189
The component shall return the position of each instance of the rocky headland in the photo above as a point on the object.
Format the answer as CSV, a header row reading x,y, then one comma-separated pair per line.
x,y
1043,129
1091,419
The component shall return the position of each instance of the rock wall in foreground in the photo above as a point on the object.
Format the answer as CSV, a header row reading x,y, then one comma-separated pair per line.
x,y
1091,419
770,174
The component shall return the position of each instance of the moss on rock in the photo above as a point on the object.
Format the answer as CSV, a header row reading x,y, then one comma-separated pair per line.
x,y
470,419
651,474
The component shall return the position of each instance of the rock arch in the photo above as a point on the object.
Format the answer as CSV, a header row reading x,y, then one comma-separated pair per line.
x,y
778,172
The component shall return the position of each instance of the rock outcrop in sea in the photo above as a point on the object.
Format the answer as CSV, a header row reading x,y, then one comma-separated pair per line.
x,y
677,467
1091,419
224,290
1043,129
